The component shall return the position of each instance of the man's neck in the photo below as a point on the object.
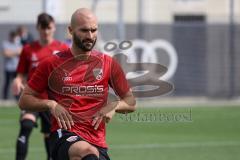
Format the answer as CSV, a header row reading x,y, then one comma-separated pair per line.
x,y
77,52
45,42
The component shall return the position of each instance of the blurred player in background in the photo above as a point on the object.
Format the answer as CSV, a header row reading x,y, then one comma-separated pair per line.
x,y
24,35
30,57
11,51
77,83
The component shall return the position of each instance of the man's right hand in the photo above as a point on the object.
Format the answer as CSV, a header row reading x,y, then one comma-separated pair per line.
x,y
17,86
63,117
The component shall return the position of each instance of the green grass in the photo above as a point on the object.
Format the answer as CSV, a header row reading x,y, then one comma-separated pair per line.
x,y
151,133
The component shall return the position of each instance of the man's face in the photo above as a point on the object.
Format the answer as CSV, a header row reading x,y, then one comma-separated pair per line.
x,y
48,32
85,35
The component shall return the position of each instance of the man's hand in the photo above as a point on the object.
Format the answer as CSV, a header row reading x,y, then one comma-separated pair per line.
x,y
108,117
106,114
17,86
64,119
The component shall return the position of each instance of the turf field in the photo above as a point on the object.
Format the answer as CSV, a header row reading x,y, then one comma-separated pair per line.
x,y
197,133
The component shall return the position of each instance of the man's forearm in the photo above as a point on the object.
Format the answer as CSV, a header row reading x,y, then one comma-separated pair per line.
x,y
126,105
29,101
20,77
9,53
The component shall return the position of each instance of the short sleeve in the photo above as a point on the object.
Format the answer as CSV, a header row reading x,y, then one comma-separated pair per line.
x,y
64,47
39,79
118,81
23,64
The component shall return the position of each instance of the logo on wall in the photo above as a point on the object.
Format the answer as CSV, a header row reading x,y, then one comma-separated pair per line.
x,y
147,77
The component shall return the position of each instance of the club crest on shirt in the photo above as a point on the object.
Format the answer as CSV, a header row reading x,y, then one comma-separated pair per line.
x,y
98,73
72,138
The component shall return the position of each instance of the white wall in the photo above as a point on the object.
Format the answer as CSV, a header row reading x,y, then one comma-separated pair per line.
x,y
155,11
19,11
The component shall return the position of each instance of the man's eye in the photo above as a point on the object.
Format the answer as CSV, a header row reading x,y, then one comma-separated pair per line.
x,y
88,30
84,30
93,30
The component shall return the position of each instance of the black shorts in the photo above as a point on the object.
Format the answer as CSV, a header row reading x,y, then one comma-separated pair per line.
x,y
45,118
61,140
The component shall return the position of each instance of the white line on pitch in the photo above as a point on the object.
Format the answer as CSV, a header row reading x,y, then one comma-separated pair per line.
x,y
177,145
149,146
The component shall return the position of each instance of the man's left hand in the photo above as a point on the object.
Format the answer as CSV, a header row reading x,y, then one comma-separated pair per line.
x,y
106,114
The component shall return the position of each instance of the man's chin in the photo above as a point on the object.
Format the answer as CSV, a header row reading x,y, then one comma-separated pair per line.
x,y
87,49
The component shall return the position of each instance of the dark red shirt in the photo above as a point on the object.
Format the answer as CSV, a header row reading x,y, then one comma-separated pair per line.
x,y
34,53
81,85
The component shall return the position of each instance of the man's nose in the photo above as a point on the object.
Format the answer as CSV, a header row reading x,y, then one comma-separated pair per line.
x,y
89,34
45,31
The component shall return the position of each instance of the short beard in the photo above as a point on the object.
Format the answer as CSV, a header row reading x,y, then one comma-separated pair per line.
x,y
79,43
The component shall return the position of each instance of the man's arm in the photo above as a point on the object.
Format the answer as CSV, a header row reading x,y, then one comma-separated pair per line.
x,y
29,101
22,68
126,104
9,53
18,84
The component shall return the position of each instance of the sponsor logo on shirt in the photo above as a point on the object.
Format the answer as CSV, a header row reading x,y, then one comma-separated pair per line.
x,y
68,78
84,90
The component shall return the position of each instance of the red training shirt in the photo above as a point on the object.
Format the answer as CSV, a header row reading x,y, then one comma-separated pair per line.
x,y
80,84
34,53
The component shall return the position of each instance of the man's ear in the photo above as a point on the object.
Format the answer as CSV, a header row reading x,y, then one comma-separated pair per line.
x,y
70,30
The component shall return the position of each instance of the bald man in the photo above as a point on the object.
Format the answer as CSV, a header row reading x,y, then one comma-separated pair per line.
x,y
77,82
